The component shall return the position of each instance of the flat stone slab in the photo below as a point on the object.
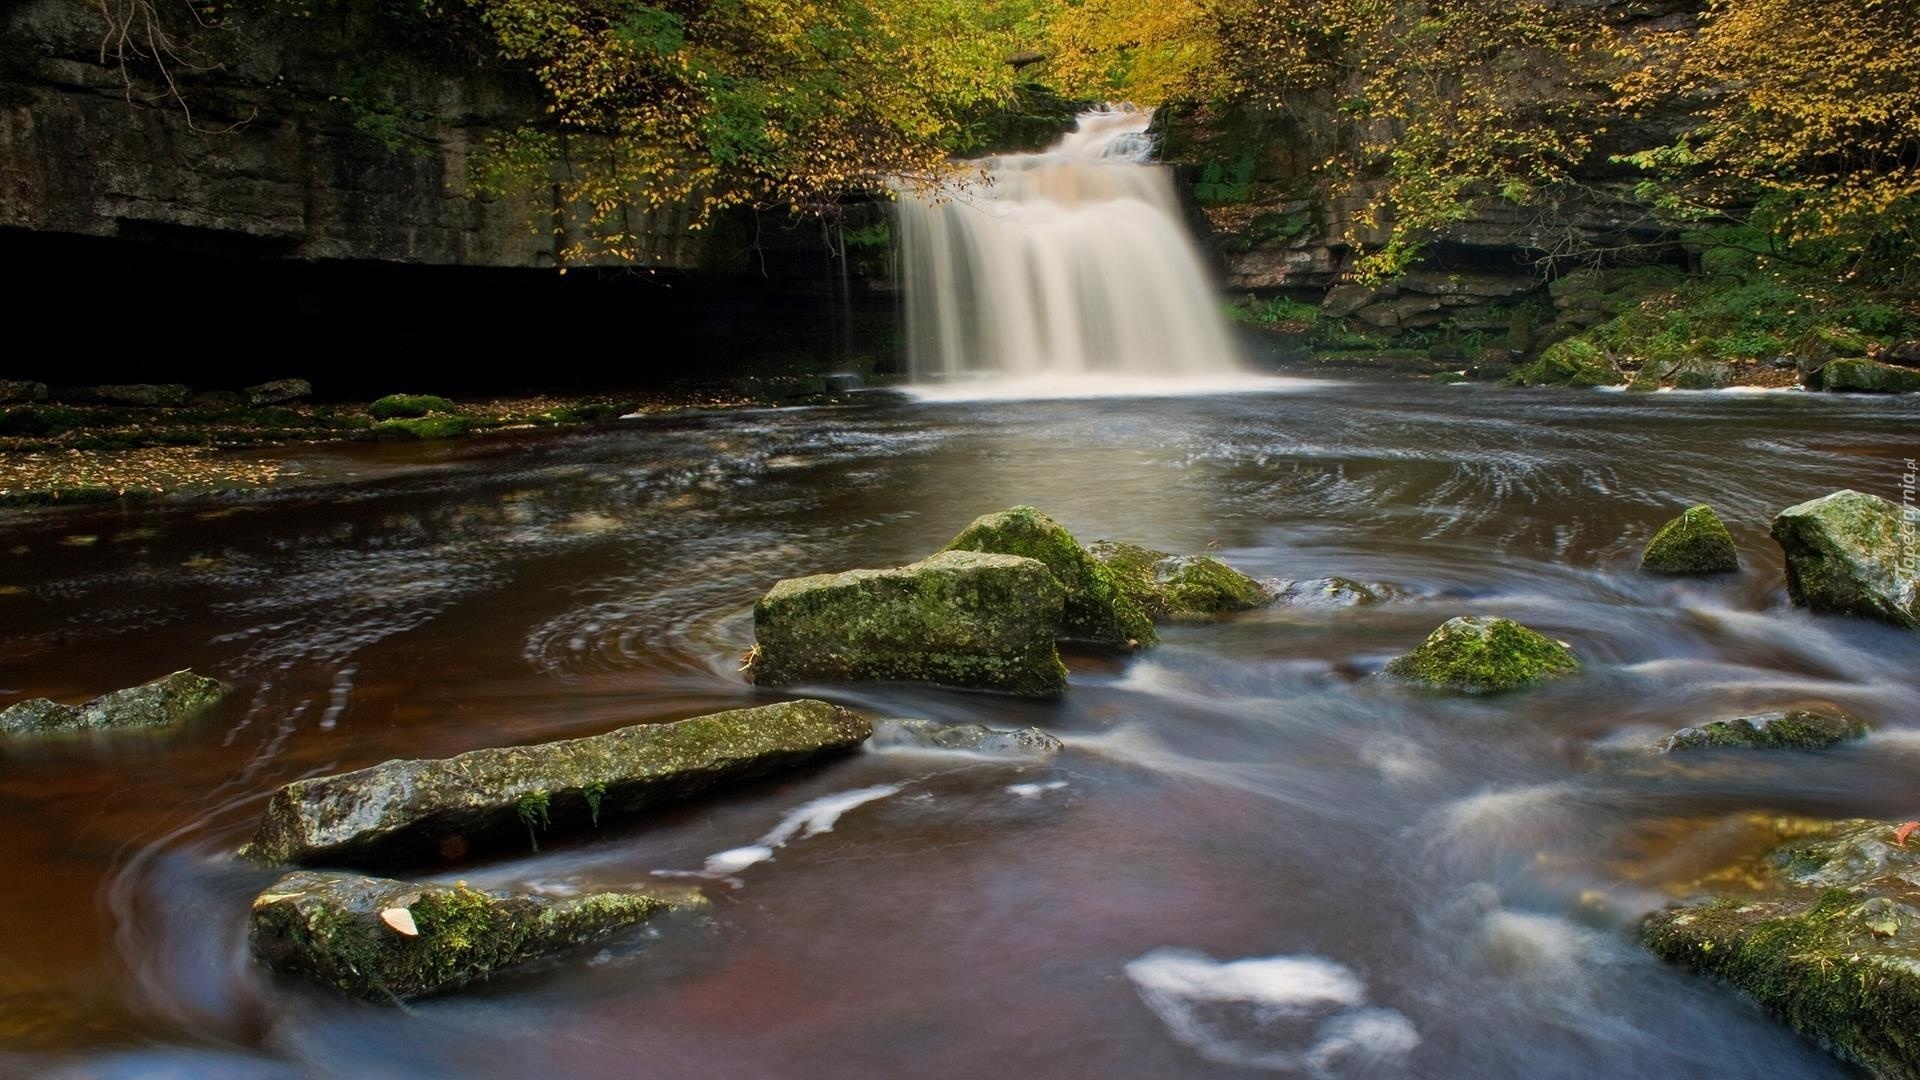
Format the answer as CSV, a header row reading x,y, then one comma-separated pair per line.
x,y
1786,729
960,618
442,808
161,703
386,941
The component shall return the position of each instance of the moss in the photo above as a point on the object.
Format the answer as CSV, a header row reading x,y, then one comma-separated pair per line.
x,y
1696,542
534,807
1836,955
40,420
1869,376
328,927
1096,608
411,406
594,793
1843,557
959,618
1577,364
1483,655
1795,729
432,427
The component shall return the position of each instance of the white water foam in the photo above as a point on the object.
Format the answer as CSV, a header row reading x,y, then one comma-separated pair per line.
x,y
1284,1013
808,819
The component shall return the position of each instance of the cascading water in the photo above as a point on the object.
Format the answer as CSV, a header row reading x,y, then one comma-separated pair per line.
x,y
1072,262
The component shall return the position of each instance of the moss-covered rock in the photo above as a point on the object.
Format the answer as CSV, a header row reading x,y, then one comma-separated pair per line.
x,y
350,932
1843,557
411,406
1787,729
423,429
423,810
1694,543
1832,947
1177,586
1483,655
973,738
960,618
1097,608
1700,373
1577,364
1868,377
161,703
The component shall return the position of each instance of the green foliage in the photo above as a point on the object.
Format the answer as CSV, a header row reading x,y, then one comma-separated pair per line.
x,y
1275,313
533,810
410,406
1575,363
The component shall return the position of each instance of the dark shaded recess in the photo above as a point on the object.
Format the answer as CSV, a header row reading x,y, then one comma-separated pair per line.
x,y
220,310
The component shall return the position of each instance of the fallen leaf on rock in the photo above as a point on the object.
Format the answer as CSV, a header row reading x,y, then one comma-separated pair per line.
x,y
1905,830
401,920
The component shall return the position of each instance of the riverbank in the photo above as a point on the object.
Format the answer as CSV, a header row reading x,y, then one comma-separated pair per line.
x,y
78,451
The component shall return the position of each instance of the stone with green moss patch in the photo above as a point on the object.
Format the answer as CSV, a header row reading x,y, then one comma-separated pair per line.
x,y
960,618
1097,609
1694,543
328,927
410,406
1178,587
1577,364
1787,729
1844,557
163,702
423,429
1482,655
1832,946
422,810
1862,376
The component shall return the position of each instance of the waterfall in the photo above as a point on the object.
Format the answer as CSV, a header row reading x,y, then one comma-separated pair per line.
x,y
1072,262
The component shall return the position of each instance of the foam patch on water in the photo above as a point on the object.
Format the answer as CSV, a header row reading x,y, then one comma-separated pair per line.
x,y
1301,1013
808,819
1034,791
1052,387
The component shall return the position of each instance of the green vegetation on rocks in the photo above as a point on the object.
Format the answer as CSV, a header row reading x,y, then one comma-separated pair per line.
x,y
1843,557
1177,587
1869,377
1097,608
1696,542
161,703
401,810
425,428
411,407
350,932
1832,947
1483,655
959,618
1575,364
1790,729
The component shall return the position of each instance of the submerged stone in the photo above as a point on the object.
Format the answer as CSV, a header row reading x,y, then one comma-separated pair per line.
x,y
959,618
1790,729
1868,377
1482,655
1832,946
976,738
161,703
1177,586
1097,608
1331,592
1696,542
352,933
441,807
1844,555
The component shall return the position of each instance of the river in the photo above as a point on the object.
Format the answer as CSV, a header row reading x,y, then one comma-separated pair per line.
x,y
1458,876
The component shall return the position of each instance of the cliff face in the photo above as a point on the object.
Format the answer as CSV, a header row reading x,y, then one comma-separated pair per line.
x,y
1276,230
322,137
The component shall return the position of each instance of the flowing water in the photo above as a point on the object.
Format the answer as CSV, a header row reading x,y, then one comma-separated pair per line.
x,y
1254,857
1063,267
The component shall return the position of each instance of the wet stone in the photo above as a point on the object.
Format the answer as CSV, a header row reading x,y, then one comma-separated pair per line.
x,y
161,703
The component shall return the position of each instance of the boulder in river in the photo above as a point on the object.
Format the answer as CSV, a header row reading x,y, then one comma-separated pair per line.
x,y
959,618
974,738
1178,586
419,809
1844,554
161,703
12,390
384,940
1862,376
153,395
1787,729
1694,543
1097,608
1831,945
278,391
1482,655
